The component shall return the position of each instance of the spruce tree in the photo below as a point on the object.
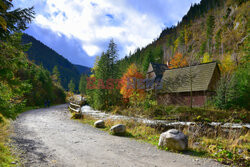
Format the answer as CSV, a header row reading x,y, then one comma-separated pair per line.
x,y
210,30
112,56
218,40
71,86
83,84
148,59
56,75
13,20
102,74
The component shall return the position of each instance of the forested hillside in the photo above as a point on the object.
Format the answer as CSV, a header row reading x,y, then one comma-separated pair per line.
x,y
48,58
82,69
217,29
22,83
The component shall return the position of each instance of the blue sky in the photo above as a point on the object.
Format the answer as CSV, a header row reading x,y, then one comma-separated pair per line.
x,y
79,30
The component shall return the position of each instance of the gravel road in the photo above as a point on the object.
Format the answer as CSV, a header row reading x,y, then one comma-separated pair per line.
x,y
48,137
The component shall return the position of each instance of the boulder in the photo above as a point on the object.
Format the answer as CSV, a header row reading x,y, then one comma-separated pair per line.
x,y
173,139
118,129
99,124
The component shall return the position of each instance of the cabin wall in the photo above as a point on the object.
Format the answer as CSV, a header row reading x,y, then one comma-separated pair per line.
x,y
183,99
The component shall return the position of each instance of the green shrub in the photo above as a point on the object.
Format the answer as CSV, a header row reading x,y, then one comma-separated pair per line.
x,y
234,91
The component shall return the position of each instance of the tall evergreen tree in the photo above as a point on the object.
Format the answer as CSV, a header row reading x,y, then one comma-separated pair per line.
x,y
102,74
83,84
210,31
71,86
13,20
105,69
148,59
56,75
218,40
112,56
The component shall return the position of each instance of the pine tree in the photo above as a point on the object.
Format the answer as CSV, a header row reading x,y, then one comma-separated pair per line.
x,y
112,54
56,75
83,84
210,30
148,59
71,86
202,49
101,99
106,68
218,40
13,20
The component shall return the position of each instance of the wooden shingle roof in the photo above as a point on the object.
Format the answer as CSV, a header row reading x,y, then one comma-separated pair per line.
x,y
159,69
179,79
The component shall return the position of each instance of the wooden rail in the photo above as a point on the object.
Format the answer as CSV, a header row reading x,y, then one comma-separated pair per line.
x,y
76,110
75,107
72,104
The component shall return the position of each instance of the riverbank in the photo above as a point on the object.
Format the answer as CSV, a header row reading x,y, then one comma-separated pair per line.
x,y
231,148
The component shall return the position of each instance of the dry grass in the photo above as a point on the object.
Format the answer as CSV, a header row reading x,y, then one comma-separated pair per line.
x,y
182,113
230,148
134,129
6,156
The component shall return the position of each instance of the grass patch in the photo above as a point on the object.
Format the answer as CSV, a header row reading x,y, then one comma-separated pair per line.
x,y
6,155
183,113
27,108
134,129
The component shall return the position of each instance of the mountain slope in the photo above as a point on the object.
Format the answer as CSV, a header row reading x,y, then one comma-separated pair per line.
x,y
43,55
82,69
217,28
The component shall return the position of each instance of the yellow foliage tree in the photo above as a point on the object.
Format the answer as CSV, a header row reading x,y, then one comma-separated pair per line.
x,y
206,58
227,64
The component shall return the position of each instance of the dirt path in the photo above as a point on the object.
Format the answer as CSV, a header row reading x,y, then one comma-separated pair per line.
x,y
48,137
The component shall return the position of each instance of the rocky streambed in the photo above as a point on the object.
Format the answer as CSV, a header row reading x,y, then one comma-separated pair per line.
x,y
163,125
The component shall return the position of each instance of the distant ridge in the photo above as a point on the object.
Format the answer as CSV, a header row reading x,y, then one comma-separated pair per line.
x,y
82,69
42,54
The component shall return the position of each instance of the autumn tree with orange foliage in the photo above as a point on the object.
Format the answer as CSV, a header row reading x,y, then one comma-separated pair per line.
x,y
131,86
178,61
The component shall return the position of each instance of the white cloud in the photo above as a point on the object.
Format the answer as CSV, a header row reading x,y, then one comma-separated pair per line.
x,y
90,23
91,49
95,22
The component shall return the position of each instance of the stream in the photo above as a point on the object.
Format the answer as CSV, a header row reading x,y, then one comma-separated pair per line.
x,y
87,110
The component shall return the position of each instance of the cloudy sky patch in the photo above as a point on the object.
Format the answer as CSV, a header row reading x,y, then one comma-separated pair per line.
x,y
90,24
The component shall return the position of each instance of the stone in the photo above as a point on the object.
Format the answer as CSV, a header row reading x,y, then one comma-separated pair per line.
x,y
173,139
240,151
118,129
99,124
